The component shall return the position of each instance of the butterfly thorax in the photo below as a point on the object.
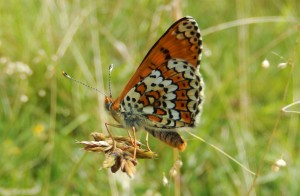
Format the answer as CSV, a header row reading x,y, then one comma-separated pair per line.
x,y
126,118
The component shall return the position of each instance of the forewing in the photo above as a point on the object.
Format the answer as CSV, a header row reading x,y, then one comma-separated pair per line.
x,y
181,41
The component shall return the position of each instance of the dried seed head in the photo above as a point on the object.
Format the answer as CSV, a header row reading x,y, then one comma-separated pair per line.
x,y
178,164
173,172
119,156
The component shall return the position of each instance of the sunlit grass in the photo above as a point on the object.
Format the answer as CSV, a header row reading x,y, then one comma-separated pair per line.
x,y
43,114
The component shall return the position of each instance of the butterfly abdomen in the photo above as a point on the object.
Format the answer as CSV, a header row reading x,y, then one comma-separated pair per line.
x,y
171,138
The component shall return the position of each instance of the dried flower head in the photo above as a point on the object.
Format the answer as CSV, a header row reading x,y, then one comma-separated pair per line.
x,y
176,167
118,152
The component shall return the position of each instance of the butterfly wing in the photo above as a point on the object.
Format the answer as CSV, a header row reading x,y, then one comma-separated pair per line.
x,y
182,40
168,98
166,91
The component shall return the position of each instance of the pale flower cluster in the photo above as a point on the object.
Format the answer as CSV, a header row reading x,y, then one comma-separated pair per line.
x,y
21,69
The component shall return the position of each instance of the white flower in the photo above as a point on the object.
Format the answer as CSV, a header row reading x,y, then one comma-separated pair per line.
x,y
165,180
282,65
23,98
18,68
42,93
265,64
280,163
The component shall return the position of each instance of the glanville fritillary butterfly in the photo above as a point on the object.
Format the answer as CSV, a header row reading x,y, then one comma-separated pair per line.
x,y
165,94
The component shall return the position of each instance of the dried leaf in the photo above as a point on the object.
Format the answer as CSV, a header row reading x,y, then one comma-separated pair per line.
x,y
116,166
109,161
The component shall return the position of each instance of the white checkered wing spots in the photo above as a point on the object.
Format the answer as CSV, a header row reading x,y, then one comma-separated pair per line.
x,y
169,97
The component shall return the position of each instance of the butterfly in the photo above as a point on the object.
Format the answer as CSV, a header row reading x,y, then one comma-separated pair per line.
x,y
165,94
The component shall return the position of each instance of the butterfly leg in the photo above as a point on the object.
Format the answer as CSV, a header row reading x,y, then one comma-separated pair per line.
x,y
133,140
130,137
147,143
111,136
134,143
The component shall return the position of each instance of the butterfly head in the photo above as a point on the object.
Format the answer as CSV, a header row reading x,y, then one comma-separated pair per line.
x,y
114,109
108,102
111,105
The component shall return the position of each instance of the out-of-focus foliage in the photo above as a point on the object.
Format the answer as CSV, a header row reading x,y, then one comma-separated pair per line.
x,y
251,69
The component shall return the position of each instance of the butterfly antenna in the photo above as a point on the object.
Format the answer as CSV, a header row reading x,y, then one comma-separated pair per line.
x,y
82,83
111,66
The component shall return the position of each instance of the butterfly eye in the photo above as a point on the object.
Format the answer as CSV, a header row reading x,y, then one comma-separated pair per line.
x,y
108,103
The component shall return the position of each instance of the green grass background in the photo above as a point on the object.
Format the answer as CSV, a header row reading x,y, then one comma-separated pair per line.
x,y
42,114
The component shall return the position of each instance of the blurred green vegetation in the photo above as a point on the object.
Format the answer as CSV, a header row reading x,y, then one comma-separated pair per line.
x,y
43,114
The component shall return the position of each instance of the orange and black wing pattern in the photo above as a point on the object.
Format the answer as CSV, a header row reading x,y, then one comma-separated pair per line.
x,y
182,41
